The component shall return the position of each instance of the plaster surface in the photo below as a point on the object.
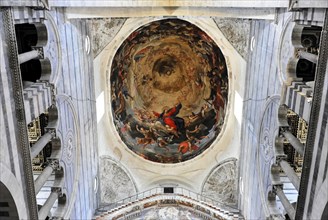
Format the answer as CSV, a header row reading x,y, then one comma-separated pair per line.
x,y
103,31
237,31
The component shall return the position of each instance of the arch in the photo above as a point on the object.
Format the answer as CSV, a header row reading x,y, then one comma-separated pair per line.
x,y
285,49
297,36
26,36
31,70
53,49
42,34
7,203
305,69
300,68
291,68
306,36
30,35
264,151
15,196
63,98
45,69
33,37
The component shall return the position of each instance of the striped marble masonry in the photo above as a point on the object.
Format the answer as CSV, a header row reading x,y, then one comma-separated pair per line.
x,y
37,99
299,99
27,15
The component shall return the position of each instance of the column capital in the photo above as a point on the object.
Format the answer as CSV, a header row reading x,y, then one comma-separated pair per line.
x,y
276,187
54,163
57,190
40,51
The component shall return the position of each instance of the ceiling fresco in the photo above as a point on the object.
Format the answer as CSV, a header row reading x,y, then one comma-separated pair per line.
x,y
169,90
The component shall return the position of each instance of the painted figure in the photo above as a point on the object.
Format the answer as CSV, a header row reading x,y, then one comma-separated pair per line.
x,y
170,120
186,146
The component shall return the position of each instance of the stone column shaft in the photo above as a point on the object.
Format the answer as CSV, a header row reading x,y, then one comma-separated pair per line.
x,y
42,178
308,56
40,144
291,174
285,202
24,57
43,213
299,147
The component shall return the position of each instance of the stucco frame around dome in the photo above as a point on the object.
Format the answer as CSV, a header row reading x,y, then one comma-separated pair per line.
x,y
182,173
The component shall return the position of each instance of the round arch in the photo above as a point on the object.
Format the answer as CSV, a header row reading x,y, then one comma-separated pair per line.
x,y
12,194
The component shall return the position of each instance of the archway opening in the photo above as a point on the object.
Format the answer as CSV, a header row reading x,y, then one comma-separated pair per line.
x,y
8,209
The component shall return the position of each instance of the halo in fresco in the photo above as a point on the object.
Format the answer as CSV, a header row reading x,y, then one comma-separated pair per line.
x,y
169,90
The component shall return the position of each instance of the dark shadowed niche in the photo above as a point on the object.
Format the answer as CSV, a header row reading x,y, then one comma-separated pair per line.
x,y
169,90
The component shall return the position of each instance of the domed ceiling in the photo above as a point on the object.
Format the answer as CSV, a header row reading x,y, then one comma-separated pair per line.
x,y
169,90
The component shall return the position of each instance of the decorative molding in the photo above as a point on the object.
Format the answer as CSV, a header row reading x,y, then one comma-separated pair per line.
x,y
53,49
23,143
265,153
285,49
63,98
69,148
266,144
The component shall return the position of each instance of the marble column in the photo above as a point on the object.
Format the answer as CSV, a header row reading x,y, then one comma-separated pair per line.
x,y
41,143
285,202
24,57
291,174
308,56
43,213
42,178
299,147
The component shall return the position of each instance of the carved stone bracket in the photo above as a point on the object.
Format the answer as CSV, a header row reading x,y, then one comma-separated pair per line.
x,y
275,175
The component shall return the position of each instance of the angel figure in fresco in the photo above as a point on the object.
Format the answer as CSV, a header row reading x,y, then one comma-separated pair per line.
x,y
169,119
162,142
121,104
148,136
187,146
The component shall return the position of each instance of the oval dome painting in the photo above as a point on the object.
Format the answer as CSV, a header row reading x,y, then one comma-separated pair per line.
x,y
169,90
